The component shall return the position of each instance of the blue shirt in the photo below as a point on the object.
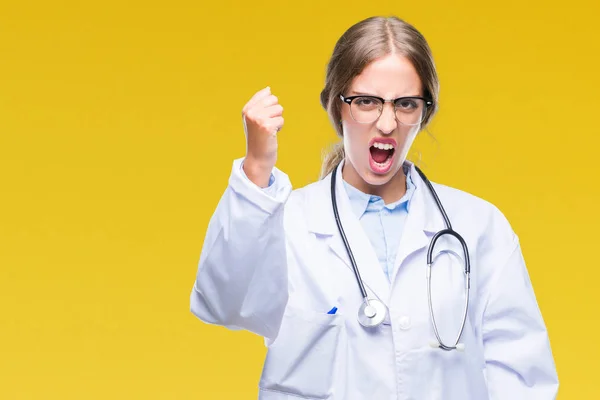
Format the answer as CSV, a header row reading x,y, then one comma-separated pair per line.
x,y
383,223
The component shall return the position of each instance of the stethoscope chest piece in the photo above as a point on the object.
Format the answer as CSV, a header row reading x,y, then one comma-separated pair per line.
x,y
371,313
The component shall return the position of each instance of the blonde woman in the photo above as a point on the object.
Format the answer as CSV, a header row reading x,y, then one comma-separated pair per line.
x,y
335,275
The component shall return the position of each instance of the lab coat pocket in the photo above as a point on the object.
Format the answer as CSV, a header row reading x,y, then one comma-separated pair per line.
x,y
302,359
441,374
445,375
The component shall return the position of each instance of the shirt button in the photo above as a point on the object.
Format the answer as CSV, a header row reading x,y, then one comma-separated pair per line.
x,y
404,323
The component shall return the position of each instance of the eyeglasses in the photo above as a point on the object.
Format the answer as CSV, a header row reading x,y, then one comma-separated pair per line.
x,y
410,110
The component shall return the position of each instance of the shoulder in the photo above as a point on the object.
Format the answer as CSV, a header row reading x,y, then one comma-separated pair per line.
x,y
463,200
467,210
304,196
302,204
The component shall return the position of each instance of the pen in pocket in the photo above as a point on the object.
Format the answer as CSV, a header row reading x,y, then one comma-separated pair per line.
x,y
332,311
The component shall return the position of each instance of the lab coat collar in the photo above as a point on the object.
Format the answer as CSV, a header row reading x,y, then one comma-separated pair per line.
x,y
320,212
361,201
424,203
423,220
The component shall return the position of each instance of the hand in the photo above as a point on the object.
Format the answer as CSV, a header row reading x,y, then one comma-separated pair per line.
x,y
262,118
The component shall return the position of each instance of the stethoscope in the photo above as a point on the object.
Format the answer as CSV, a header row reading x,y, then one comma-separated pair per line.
x,y
372,311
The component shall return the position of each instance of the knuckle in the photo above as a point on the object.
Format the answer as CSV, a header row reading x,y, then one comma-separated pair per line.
x,y
265,123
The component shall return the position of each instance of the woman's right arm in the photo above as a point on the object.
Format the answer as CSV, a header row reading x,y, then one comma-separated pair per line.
x,y
241,282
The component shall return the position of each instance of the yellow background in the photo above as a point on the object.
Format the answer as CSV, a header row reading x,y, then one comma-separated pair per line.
x,y
119,121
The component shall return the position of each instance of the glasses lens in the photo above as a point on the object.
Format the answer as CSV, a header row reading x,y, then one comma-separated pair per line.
x,y
410,111
365,109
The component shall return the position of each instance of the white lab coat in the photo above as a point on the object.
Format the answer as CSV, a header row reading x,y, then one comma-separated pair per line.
x,y
276,264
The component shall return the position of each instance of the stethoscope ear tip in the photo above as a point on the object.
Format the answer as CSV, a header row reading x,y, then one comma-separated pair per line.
x,y
435,344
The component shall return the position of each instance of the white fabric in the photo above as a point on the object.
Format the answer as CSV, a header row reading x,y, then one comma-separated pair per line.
x,y
274,263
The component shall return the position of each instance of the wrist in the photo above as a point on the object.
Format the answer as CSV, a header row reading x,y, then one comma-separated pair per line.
x,y
258,171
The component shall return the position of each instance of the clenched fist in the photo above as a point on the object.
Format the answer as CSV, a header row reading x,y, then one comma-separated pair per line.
x,y
262,117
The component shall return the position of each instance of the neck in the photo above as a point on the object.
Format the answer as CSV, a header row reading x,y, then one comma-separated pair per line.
x,y
390,192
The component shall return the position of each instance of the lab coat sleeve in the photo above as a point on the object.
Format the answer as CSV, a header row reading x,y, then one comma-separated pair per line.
x,y
241,280
519,361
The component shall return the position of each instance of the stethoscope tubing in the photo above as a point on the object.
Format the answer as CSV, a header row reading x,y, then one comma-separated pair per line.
x,y
434,239
363,291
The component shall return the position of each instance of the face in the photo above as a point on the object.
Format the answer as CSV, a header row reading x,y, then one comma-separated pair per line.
x,y
375,151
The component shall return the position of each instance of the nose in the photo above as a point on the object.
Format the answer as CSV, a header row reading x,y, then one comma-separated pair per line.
x,y
387,120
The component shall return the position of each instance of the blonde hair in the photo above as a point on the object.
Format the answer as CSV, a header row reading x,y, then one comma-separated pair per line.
x,y
361,44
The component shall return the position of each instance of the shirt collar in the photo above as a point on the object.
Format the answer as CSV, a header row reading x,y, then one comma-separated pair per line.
x,y
362,202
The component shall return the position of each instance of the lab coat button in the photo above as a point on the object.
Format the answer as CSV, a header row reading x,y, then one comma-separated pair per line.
x,y
404,322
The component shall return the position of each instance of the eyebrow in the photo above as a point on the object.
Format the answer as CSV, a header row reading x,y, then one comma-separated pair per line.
x,y
355,93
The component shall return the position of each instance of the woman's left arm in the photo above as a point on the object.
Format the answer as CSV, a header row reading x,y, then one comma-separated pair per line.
x,y
519,361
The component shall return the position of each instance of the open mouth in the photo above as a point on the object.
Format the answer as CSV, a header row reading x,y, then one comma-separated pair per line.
x,y
381,156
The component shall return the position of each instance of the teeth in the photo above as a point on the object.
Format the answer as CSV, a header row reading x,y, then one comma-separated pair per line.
x,y
383,146
382,165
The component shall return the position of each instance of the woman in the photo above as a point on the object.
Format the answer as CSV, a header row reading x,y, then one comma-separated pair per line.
x,y
274,260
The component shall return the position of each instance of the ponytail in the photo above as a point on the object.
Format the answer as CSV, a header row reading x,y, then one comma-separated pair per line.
x,y
332,159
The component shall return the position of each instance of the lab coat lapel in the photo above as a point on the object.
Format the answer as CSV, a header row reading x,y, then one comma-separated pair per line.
x,y
421,223
322,221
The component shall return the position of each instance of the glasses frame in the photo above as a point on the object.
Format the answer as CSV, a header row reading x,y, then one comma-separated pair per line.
x,y
348,100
